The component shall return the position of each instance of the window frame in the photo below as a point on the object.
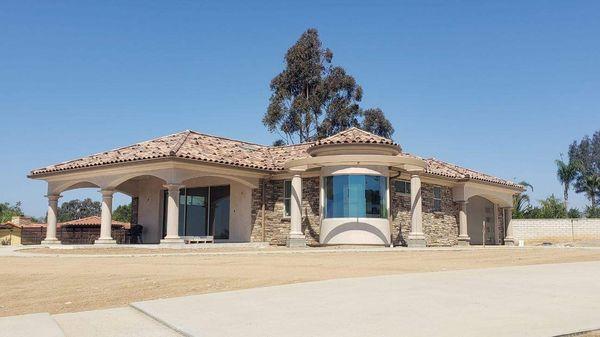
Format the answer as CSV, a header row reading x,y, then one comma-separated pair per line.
x,y
383,190
287,213
406,183
437,199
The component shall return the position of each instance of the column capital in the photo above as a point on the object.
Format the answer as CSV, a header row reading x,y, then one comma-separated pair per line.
x,y
107,192
171,187
53,197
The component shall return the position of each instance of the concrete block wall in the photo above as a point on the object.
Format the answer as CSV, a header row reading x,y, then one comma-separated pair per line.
x,y
556,230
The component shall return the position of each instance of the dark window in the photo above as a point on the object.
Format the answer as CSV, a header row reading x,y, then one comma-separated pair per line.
x,y
437,199
287,197
402,186
202,211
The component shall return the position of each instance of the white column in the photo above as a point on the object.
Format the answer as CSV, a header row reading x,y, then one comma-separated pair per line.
x,y
52,220
172,215
509,240
416,238
106,219
296,237
463,229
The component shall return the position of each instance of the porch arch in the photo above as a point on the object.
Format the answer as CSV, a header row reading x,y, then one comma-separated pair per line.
x,y
481,209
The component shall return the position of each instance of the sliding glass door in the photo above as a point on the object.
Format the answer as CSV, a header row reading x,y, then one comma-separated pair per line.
x,y
202,211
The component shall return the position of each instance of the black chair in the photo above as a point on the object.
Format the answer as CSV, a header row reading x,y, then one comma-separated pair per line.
x,y
135,234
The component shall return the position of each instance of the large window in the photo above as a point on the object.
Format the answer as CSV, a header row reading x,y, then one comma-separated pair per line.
x,y
355,196
437,199
202,211
287,198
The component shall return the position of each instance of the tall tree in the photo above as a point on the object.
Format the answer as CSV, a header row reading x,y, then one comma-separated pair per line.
x,y
587,154
566,174
311,98
590,185
77,209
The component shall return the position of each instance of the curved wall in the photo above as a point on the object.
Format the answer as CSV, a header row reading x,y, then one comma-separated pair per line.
x,y
354,231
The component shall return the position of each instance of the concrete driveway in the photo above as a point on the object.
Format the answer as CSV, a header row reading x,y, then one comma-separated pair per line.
x,y
542,300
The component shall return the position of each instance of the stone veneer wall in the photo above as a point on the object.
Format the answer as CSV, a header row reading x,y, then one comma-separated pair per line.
x,y
440,228
277,226
499,226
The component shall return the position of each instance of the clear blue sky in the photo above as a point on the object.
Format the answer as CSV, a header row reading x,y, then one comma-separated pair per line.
x,y
498,86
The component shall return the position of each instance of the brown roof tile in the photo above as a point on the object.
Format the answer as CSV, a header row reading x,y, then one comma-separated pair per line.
x,y
355,136
93,220
219,150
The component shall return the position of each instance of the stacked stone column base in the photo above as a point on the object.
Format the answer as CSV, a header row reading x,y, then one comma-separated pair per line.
x,y
50,242
464,240
172,241
105,241
509,241
416,240
297,240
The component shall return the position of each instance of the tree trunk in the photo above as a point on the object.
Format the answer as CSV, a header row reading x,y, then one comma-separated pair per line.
x,y
566,197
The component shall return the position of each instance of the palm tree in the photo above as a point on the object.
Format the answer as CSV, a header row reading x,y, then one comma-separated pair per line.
x,y
566,174
590,185
521,201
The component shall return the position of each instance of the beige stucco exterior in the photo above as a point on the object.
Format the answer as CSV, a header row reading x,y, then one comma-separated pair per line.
x,y
148,180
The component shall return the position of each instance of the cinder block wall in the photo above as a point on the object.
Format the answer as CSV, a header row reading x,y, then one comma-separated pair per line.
x,y
556,230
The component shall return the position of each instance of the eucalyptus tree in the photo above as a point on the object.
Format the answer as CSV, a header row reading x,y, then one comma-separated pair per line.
x,y
312,98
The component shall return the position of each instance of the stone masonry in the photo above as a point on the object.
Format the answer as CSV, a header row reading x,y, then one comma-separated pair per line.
x,y
440,227
277,226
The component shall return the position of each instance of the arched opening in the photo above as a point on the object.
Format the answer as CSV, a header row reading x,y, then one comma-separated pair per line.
x,y
143,202
481,220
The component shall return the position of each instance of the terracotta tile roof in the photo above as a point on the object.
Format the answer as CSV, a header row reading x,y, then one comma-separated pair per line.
x,y
442,168
219,150
93,220
355,136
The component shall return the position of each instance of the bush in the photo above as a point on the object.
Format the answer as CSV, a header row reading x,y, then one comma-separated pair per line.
x,y
574,213
592,212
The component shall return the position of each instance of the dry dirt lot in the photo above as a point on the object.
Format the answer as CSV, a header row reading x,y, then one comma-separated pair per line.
x,y
59,284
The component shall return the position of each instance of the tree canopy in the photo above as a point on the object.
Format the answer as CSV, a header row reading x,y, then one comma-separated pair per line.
x,y
587,154
122,213
311,98
77,209
7,211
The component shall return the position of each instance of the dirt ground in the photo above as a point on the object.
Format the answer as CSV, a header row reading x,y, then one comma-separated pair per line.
x,y
62,283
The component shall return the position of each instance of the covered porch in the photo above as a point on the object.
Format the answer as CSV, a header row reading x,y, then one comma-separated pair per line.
x,y
172,200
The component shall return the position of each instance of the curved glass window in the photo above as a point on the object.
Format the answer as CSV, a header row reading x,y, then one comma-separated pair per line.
x,y
355,196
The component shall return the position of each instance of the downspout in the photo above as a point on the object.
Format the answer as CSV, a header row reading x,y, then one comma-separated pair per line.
x,y
391,223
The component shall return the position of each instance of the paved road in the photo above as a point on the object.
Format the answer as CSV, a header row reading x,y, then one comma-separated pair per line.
x,y
543,300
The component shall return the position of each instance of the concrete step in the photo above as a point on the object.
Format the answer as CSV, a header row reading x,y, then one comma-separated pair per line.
x,y
115,322
39,325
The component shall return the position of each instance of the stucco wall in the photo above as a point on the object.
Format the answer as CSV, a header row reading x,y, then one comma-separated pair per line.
x,y
478,210
277,227
556,230
440,228
150,193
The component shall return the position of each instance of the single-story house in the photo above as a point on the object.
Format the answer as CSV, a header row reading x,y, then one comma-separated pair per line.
x,y
351,188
